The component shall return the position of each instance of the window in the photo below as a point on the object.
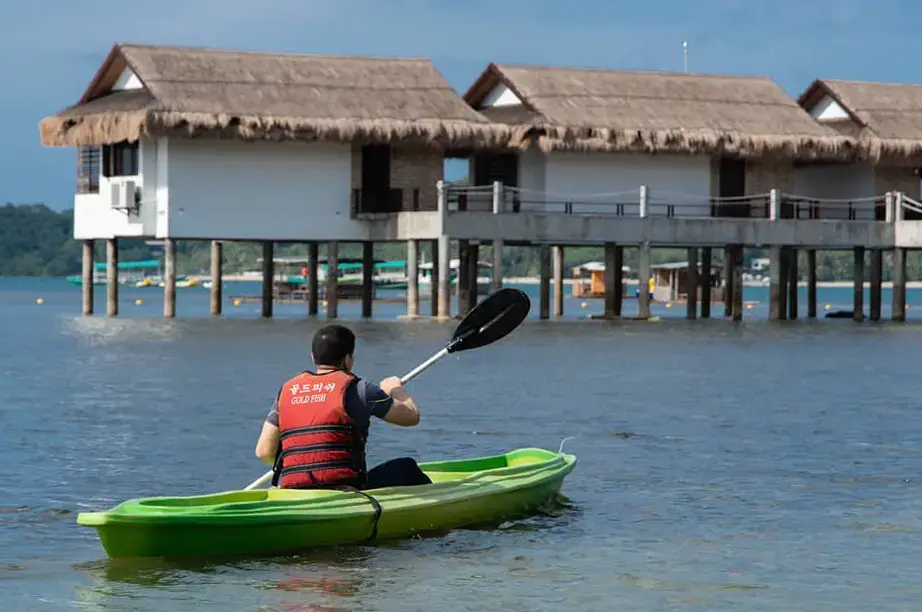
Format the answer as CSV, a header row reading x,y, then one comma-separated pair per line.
x,y
88,169
120,159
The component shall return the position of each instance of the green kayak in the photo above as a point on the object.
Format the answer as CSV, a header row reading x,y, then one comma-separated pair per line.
x,y
275,521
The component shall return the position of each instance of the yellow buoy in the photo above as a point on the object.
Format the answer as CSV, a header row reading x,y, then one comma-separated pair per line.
x,y
236,302
138,302
40,301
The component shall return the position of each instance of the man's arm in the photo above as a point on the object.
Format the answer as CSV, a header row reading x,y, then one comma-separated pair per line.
x,y
403,410
268,442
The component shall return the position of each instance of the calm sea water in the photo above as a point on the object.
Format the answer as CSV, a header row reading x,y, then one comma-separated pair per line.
x,y
757,466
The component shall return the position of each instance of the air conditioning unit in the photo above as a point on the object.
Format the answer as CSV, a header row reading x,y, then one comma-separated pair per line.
x,y
124,195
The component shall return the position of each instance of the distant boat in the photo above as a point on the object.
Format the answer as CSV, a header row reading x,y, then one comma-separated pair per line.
x,y
137,273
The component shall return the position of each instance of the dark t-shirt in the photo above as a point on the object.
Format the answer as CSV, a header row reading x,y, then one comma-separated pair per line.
x,y
363,400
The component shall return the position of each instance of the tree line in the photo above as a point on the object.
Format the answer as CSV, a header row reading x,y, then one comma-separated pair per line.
x,y
38,241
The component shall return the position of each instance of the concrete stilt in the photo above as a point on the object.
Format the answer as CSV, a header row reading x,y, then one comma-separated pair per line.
x,y
463,286
112,277
557,253
332,293
619,279
691,285
811,283
444,305
705,283
785,277
858,263
737,259
497,273
268,273
775,287
545,281
217,279
610,279
434,278
87,288
368,271
412,278
793,286
643,299
729,253
898,305
473,271
313,284
877,273
169,278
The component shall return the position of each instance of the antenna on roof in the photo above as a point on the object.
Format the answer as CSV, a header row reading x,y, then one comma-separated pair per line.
x,y
685,48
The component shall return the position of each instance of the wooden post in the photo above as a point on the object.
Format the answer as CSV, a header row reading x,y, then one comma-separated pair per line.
x,y
463,286
368,271
112,277
691,284
619,279
705,283
729,254
558,280
610,279
434,278
169,280
313,284
785,277
643,277
738,283
88,266
473,270
877,273
217,281
412,278
811,283
444,278
545,281
858,263
898,304
775,288
268,299
497,273
332,279
793,288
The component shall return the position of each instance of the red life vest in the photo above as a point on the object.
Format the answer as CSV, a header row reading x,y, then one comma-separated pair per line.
x,y
319,444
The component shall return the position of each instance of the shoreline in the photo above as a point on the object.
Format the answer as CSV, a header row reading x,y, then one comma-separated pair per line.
x,y
528,280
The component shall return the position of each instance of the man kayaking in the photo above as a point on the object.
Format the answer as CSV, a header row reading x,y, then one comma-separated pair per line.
x,y
320,420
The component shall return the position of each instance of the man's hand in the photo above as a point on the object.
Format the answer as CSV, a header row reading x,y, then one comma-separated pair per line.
x,y
404,410
391,384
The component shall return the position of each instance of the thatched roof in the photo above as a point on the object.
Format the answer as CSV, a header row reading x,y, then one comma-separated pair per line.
x,y
620,110
191,92
885,117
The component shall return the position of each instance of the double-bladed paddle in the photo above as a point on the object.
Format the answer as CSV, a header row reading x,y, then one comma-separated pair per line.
x,y
490,320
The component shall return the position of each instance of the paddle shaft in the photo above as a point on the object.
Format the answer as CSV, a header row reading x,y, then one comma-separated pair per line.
x,y
405,379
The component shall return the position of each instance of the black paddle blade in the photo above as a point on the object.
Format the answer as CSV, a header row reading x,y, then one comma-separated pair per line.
x,y
495,317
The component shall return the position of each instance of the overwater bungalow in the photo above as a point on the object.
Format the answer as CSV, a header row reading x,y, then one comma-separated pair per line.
x,y
589,279
670,281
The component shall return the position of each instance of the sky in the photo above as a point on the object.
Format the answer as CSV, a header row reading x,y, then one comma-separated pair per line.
x,y
50,49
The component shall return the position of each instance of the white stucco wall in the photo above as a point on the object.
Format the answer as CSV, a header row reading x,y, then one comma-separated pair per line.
x,y
849,183
532,179
94,215
262,190
595,180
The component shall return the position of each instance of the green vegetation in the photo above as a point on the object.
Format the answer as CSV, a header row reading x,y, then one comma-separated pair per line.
x,y
37,241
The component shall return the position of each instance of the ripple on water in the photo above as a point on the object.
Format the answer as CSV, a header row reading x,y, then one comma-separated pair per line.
x,y
721,467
